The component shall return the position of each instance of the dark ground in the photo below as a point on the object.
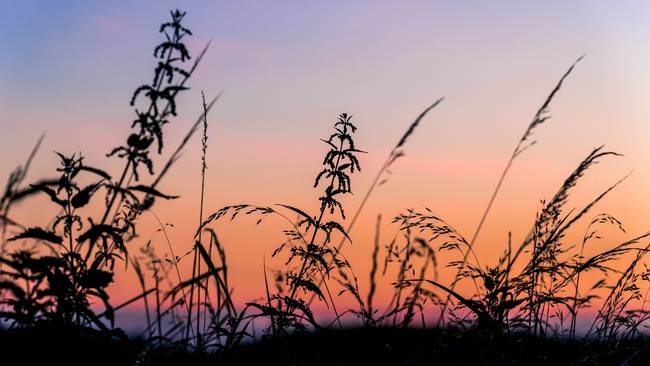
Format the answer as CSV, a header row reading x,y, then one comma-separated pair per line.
x,y
347,347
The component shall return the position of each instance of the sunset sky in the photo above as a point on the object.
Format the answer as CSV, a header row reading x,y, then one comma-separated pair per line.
x,y
289,68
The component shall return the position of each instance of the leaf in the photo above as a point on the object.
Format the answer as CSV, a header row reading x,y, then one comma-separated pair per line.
x,y
50,192
151,191
102,230
175,88
345,166
473,305
96,278
27,192
46,264
299,212
83,196
267,310
215,273
4,220
317,257
40,234
109,313
309,286
330,225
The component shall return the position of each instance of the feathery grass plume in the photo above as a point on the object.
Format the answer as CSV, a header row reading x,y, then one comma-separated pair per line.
x,y
522,145
552,209
204,148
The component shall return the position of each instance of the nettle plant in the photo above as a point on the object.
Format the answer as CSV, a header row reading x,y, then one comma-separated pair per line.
x,y
58,286
159,104
60,268
311,257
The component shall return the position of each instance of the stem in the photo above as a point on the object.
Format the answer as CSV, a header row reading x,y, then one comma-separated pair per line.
x,y
196,263
178,273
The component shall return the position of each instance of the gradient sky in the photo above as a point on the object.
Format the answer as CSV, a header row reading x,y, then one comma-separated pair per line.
x,y
289,68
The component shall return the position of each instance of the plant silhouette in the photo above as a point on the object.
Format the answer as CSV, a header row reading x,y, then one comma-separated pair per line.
x,y
55,279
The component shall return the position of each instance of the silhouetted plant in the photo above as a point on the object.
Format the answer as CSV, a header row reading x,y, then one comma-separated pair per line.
x,y
169,79
54,274
72,260
547,285
309,239
60,284
160,94
523,144
381,178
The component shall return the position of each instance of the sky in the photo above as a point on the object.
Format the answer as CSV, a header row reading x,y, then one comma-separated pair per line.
x,y
288,68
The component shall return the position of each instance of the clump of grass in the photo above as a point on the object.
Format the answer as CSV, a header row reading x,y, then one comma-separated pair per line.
x,y
223,326
416,257
536,288
523,144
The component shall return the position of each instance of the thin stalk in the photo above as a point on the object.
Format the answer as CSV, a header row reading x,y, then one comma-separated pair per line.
x,y
373,270
196,264
175,262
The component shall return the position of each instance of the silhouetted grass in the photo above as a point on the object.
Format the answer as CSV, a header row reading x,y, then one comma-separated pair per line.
x,y
522,308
